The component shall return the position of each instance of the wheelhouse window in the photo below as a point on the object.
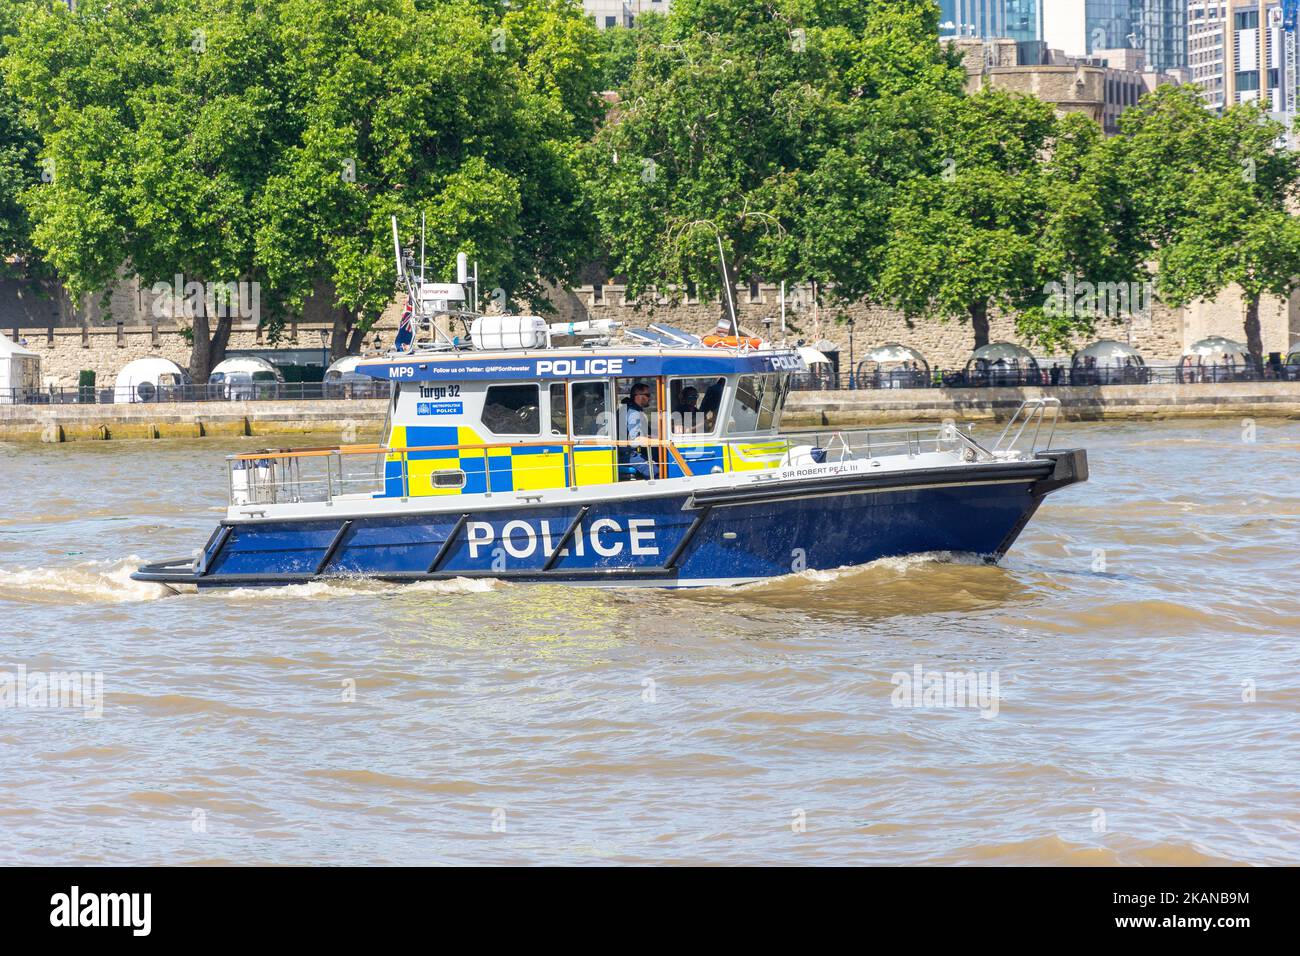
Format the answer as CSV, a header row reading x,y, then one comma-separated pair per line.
x,y
512,410
769,416
758,403
626,390
694,404
559,410
589,408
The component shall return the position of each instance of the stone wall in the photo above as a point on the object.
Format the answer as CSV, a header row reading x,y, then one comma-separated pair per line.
x,y
1279,320
106,350
1161,339
947,345
24,304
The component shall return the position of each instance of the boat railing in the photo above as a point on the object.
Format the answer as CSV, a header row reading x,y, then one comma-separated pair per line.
x,y
881,442
1032,414
322,475
305,475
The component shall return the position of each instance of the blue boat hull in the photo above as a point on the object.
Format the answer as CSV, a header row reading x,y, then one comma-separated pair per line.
x,y
718,537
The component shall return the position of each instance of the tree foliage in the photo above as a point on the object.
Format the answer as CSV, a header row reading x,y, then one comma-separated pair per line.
x,y
777,128
1022,200
437,109
19,170
1212,197
269,143
159,121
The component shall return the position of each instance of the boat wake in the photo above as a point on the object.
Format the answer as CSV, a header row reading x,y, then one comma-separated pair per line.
x,y
353,586
110,582
933,581
92,582
881,567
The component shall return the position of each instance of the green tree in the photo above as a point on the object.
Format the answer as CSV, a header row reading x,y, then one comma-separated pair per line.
x,y
19,170
1213,195
160,121
445,109
1020,200
619,48
778,129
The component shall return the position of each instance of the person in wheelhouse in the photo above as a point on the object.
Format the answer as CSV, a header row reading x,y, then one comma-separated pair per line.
x,y
634,426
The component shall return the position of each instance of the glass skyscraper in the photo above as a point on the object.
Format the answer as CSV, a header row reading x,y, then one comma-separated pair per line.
x,y
1017,19
1158,27
1078,27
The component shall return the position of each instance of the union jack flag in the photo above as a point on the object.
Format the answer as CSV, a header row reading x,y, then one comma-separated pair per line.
x,y
405,329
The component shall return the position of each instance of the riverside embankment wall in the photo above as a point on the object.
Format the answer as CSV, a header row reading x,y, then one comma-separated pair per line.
x,y
353,420
359,420
1078,403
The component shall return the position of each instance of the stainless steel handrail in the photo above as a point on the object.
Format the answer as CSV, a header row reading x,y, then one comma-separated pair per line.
x,y
1030,409
292,477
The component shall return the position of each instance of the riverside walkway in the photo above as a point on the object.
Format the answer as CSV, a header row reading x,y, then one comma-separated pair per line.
x,y
356,417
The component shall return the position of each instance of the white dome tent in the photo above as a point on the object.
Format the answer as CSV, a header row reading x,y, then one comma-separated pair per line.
x,y
20,372
1108,362
1216,359
1292,369
1002,364
148,380
893,365
342,380
242,376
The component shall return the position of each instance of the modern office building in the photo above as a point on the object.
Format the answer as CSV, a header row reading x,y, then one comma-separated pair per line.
x,y
622,13
1157,27
984,19
1241,58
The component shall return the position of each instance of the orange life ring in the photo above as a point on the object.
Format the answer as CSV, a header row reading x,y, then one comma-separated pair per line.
x,y
730,341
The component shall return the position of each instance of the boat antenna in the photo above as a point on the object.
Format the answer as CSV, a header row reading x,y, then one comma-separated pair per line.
x,y
782,311
726,284
402,275
397,251
422,248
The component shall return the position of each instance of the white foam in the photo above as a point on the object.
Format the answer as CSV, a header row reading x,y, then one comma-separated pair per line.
x,y
106,582
342,587
459,585
897,565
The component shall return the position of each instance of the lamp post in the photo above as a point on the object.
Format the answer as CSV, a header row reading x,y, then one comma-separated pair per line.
x,y
853,369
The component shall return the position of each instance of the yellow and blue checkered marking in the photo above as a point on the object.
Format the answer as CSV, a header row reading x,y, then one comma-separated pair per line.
x,y
538,467
510,468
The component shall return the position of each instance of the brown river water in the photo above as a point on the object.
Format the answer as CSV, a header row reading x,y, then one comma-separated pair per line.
x,y
1137,658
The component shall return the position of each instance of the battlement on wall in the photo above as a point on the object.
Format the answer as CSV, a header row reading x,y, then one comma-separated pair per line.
x,y
1161,337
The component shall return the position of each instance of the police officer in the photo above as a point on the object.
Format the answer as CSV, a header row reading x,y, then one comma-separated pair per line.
x,y
636,426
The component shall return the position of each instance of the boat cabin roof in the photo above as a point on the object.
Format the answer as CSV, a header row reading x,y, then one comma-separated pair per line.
x,y
564,363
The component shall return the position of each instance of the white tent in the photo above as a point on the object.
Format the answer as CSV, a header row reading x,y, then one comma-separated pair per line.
x,y
1001,364
141,380
342,378
892,365
240,376
20,371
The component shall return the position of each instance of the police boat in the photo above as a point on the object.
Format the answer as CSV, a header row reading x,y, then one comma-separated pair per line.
x,y
586,454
